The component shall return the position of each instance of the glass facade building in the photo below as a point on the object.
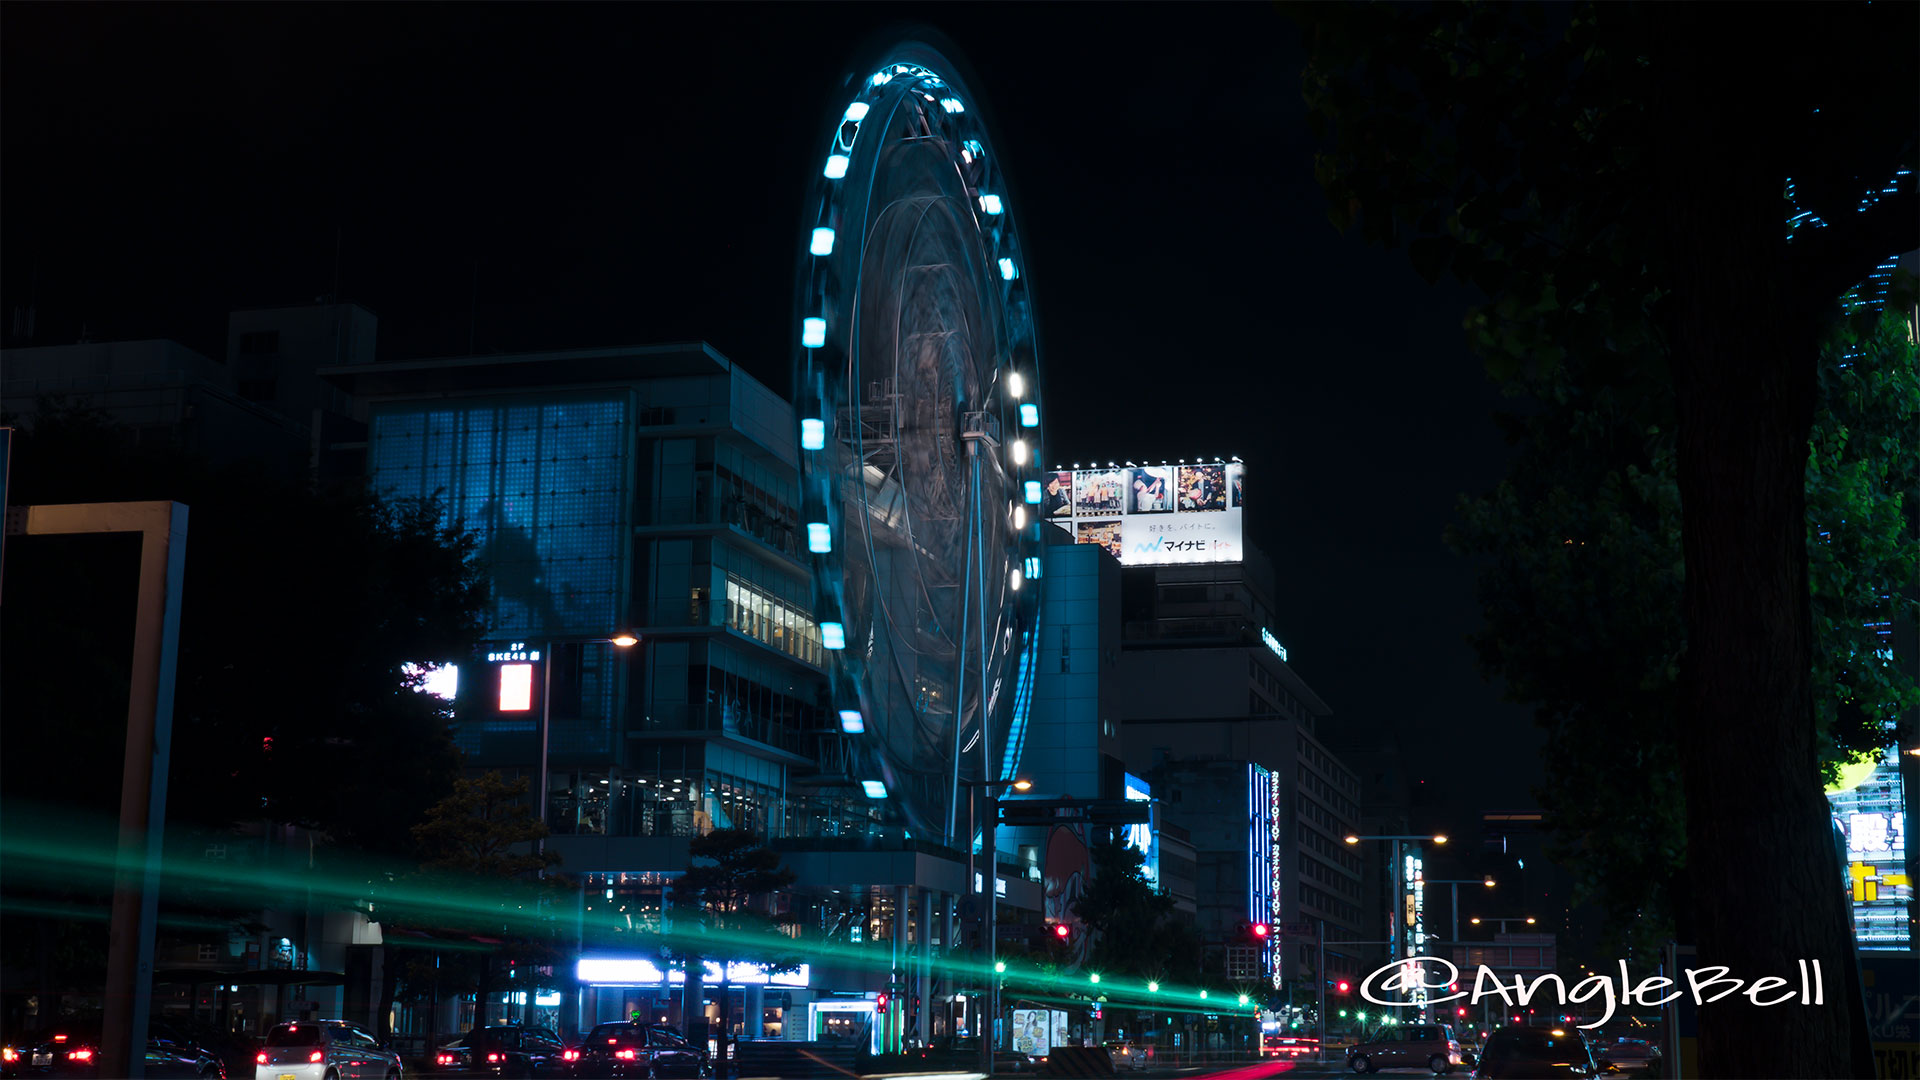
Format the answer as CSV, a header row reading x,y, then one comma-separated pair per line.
x,y
647,490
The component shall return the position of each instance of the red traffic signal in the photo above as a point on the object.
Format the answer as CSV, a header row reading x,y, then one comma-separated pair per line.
x,y
880,1003
1061,931
1461,1011
1261,930
1344,986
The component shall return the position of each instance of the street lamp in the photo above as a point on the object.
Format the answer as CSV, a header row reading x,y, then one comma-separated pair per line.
x,y
992,893
620,640
1399,887
1528,919
1487,881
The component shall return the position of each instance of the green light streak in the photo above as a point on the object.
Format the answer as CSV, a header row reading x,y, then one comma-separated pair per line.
x,y
75,861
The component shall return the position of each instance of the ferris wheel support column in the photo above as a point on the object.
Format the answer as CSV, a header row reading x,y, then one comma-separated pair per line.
x,y
960,681
989,847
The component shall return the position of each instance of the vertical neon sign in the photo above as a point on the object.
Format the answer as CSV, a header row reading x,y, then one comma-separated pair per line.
x,y
1274,894
1415,876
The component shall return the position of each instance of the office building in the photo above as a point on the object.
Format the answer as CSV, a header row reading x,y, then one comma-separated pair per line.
x,y
653,491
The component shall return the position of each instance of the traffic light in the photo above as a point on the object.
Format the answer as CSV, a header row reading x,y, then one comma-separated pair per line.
x,y
880,1004
1460,1011
1061,931
1260,930
1343,987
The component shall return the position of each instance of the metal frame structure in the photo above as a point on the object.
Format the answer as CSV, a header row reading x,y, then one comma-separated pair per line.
x,y
162,527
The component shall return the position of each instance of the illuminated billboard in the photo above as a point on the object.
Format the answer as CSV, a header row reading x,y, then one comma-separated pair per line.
x,y
1140,836
1869,808
1147,515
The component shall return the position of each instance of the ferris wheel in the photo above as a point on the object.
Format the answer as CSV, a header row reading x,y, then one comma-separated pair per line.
x,y
918,391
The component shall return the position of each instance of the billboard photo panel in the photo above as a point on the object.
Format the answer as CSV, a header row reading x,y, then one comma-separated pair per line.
x,y
1056,494
1104,533
1099,492
1150,490
1203,487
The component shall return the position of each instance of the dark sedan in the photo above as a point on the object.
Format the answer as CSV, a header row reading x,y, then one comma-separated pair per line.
x,y
1518,1053
73,1050
634,1049
508,1051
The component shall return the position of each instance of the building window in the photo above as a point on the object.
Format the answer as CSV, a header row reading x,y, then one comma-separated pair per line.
x,y
760,616
209,953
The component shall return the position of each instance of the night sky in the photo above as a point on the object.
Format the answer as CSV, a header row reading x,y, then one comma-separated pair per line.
x,y
590,175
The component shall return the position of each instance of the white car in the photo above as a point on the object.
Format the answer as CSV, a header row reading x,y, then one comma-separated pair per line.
x,y
323,1050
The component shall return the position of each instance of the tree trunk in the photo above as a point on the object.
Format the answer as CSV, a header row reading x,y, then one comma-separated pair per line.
x,y
726,1024
389,985
1766,885
694,1002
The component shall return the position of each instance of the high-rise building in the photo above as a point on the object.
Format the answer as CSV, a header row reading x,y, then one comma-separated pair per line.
x,y
1200,703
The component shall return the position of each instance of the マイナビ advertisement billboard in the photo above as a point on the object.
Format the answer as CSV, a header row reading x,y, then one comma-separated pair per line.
x,y
1148,515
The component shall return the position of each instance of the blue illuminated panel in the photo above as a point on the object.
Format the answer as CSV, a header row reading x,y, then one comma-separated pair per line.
x,y
540,484
1263,879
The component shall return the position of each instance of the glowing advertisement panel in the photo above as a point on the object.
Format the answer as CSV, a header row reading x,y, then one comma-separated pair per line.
x,y
1870,811
637,971
1037,1031
1146,515
1140,837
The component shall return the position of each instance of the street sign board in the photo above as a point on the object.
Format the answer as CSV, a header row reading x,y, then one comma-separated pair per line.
x,y
1892,984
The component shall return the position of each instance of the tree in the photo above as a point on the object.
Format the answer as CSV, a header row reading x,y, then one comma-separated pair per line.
x,y
1583,569
1133,926
484,829
1612,177
481,883
722,910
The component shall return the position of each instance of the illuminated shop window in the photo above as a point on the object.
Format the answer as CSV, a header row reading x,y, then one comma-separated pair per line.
x,y
783,626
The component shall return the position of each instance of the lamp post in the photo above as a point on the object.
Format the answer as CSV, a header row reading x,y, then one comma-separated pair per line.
x,y
990,1011
620,640
1393,949
1456,883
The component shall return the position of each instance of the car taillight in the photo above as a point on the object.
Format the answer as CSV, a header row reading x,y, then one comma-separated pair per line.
x,y
570,1055
82,1054
8,1053
317,1056
623,1055
59,1038
493,1057
260,1058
